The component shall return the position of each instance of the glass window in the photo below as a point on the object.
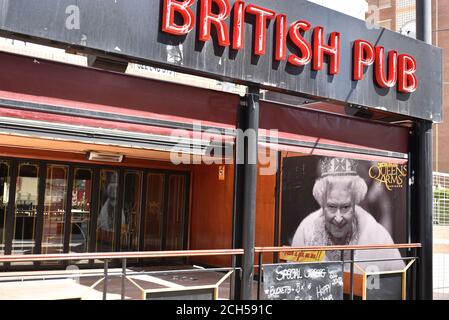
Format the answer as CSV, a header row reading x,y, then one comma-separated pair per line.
x,y
130,227
81,211
27,195
54,209
4,196
175,212
108,210
154,212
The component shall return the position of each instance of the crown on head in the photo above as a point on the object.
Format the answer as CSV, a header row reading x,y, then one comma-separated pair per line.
x,y
338,167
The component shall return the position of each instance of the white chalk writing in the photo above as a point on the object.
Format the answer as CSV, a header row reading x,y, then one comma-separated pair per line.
x,y
323,290
315,273
287,274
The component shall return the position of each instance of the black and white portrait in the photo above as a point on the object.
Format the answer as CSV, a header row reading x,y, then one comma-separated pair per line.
x,y
337,201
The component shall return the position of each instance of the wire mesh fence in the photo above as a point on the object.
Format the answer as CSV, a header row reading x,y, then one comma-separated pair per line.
x,y
441,199
441,236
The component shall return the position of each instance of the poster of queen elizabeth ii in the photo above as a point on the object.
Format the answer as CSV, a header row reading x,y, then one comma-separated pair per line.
x,y
345,202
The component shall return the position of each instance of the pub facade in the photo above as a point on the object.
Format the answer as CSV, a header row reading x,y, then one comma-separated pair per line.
x,y
93,160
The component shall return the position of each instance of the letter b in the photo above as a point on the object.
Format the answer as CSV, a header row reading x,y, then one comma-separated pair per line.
x,y
183,9
407,79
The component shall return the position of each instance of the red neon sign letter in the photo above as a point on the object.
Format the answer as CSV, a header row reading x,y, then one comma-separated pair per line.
x,y
320,49
207,17
281,37
168,17
239,25
407,80
262,15
363,57
304,47
390,80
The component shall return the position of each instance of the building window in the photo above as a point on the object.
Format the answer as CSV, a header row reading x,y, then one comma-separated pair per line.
x,y
54,209
27,195
4,196
81,211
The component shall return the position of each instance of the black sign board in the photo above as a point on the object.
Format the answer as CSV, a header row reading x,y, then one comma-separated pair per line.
x,y
298,281
132,29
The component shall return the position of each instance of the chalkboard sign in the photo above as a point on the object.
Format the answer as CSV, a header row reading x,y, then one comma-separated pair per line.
x,y
388,287
298,281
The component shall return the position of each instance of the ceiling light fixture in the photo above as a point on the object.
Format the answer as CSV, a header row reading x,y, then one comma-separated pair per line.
x,y
105,157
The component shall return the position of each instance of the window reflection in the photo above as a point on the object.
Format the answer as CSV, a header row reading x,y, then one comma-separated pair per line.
x,y
4,196
175,212
54,209
154,212
108,204
164,210
26,209
131,207
81,211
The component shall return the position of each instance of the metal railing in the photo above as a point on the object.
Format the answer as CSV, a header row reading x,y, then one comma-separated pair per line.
x,y
106,257
342,249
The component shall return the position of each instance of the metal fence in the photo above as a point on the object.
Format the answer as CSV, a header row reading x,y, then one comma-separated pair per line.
x,y
355,282
441,236
124,283
441,199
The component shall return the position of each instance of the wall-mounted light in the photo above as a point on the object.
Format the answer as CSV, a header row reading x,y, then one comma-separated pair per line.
x,y
359,111
107,63
105,157
221,173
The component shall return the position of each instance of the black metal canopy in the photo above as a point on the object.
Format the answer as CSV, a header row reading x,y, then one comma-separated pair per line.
x,y
131,29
